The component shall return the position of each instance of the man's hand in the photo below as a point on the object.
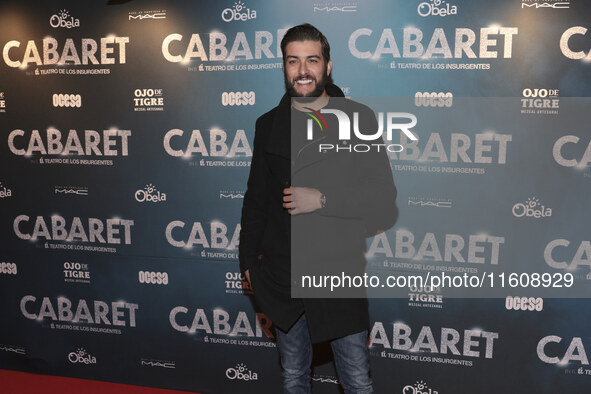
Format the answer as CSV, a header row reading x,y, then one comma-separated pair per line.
x,y
301,200
247,275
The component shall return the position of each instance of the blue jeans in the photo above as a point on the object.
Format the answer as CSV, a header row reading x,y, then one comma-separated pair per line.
x,y
351,358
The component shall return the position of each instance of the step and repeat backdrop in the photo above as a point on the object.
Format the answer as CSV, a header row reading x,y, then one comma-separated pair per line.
x,y
126,139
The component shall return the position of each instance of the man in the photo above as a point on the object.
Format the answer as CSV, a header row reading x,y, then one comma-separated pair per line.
x,y
294,188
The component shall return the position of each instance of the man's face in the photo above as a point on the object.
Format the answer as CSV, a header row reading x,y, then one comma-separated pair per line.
x,y
305,70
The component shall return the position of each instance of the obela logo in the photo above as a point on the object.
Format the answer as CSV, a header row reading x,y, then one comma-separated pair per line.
x,y
436,7
238,13
4,191
149,194
241,372
61,20
531,208
80,356
418,388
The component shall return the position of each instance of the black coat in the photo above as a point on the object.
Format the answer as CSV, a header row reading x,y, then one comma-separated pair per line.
x,y
360,196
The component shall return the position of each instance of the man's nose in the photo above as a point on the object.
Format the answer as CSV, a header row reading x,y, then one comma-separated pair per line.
x,y
303,68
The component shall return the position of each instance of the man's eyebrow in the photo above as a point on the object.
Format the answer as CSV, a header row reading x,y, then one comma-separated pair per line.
x,y
307,57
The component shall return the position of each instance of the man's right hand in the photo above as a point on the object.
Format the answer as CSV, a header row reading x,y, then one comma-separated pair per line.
x,y
247,275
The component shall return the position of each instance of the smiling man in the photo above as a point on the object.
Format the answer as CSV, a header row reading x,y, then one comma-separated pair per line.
x,y
306,70
295,196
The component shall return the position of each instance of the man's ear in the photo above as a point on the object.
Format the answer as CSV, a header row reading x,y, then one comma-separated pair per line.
x,y
329,67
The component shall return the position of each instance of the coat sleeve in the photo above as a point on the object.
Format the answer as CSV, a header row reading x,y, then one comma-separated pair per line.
x,y
370,194
254,215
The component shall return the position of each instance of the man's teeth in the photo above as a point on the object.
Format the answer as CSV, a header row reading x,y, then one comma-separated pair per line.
x,y
304,81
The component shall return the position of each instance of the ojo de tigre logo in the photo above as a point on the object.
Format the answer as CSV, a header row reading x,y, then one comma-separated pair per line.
x,y
344,133
148,99
540,99
238,98
2,102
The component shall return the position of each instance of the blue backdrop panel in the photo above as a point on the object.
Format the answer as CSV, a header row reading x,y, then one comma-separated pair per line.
x,y
127,134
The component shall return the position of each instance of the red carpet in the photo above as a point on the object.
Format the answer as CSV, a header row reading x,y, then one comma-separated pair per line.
x,y
12,382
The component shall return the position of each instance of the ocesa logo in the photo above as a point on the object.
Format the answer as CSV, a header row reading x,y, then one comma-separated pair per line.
x,y
155,278
8,268
238,98
524,303
433,99
67,100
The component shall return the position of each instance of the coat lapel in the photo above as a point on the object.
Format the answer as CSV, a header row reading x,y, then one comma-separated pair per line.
x,y
279,141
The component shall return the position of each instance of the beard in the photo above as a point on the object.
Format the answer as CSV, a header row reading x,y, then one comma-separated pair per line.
x,y
320,85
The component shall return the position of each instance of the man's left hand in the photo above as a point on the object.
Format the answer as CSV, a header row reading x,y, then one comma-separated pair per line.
x,y
299,200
